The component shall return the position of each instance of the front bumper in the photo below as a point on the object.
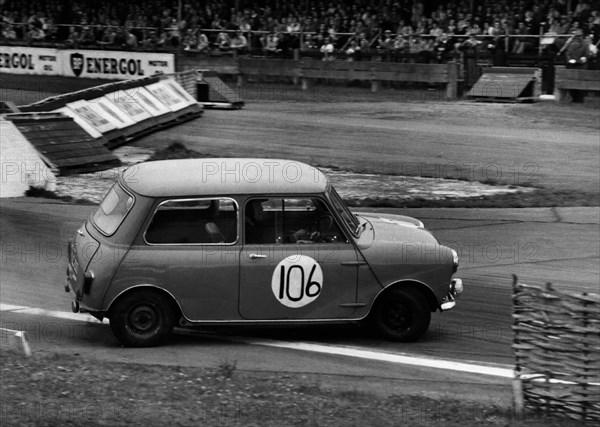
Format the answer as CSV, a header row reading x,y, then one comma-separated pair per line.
x,y
455,289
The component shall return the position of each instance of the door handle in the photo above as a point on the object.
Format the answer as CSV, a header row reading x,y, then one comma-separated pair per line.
x,y
256,256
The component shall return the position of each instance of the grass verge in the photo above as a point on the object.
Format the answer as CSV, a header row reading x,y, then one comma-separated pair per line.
x,y
52,389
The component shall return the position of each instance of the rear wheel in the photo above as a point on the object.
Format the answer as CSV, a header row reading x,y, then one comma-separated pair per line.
x,y
402,315
142,319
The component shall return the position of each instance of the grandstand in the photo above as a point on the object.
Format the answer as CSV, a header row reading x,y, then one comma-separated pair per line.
x,y
356,29
476,34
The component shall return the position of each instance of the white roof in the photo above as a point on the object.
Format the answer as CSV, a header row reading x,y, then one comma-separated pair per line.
x,y
221,176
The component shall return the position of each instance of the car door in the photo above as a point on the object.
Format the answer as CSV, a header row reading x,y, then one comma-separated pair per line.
x,y
190,248
287,274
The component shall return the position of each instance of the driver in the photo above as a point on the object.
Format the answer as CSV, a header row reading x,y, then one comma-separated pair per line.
x,y
314,233
258,230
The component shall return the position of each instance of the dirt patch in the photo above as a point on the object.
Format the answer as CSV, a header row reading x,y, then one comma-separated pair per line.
x,y
51,389
357,189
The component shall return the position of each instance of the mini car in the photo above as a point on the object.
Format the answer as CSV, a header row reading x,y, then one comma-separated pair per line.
x,y
182,243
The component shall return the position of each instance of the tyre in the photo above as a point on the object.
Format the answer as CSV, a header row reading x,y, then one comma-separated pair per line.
x,y
402,315
142,319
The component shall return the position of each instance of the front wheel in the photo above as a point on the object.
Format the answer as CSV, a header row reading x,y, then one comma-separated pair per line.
x,y
402,315
142,319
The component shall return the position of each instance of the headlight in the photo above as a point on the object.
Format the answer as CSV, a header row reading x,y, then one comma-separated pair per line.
x,y
456,287
455,258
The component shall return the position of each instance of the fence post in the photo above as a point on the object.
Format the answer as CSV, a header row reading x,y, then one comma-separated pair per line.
x,y
586,355
452,85
239,77
545,327
516,382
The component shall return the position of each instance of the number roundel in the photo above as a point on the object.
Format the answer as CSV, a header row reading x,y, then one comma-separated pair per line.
x,y
297,281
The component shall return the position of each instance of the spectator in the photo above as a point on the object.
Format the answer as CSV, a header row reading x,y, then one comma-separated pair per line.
x,y
239,44
163,40
108,37
577,54
353,51
87,37
521,43
8,32
190,41
203,43
401,44
174,34
73,38
131,41
35,33
293,25
308,43
150,42
442,47
327,50
471,43
386,42
223,42
416,45
271,44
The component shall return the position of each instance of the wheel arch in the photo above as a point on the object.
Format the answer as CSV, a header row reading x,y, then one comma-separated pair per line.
x,y
416,285
147,288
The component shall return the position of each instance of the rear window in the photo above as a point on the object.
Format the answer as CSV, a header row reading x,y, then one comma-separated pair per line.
x,y
113,209
194,221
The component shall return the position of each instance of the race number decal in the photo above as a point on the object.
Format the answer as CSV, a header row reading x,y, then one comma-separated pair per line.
x,y
297,281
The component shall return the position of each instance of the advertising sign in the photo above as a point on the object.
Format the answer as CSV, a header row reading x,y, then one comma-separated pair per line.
x,y
102,64
130,104
29,60
180,91
98,120
150,102
164,92
84,124
111,112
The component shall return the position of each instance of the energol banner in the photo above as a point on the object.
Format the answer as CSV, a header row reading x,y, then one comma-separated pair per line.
x,y
100,64
29,60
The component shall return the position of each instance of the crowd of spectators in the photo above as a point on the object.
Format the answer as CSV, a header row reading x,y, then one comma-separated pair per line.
x,y
333,29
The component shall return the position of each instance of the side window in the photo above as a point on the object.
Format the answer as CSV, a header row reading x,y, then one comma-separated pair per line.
x,y
290,220
113,209
194,221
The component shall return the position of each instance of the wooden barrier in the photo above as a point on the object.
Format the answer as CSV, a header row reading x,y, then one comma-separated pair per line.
x,y
307,70
376,72
569,78
557,350
270,68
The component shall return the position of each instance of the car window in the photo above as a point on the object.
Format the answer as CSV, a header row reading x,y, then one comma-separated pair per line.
x,y
342,209
289,220
112,210
194,221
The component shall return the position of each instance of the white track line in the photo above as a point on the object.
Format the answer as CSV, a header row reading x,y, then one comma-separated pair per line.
x,y
404,359
315,348
50,313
